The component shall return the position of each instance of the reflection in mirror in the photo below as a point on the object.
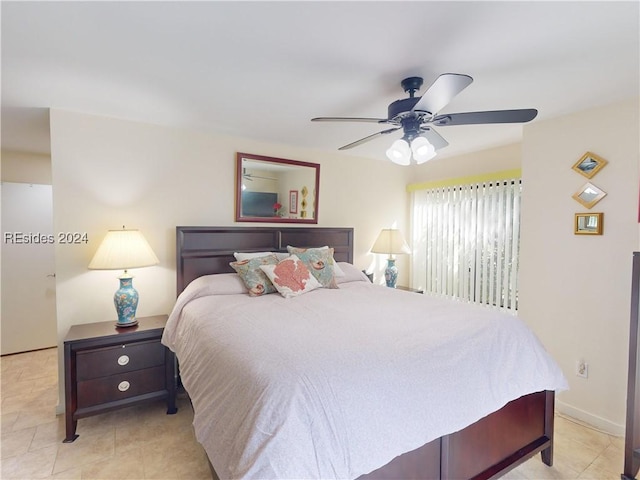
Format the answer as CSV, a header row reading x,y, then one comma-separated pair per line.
x,y
588,223
276,190
589,195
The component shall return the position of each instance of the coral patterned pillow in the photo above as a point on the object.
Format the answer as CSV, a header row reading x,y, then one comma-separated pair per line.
x,y
255,279
291,277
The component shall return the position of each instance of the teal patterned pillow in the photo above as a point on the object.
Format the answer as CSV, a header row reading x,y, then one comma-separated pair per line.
x,y
319,261
255,279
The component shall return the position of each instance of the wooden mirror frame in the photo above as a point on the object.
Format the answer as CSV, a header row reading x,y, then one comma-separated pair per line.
x,y
291,214
593,192
588,223
589,164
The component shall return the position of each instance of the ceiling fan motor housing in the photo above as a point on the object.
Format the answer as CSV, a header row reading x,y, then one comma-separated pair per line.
x,y
400,114
401,108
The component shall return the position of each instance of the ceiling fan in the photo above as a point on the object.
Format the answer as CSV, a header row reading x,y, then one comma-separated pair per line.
x,y
250,176
416,116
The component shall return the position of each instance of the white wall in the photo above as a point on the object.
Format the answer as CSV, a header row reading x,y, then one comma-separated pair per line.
x,y
497,159
109,172
25,167
575,289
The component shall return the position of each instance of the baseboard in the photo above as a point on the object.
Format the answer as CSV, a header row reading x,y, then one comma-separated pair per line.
x,y
594,421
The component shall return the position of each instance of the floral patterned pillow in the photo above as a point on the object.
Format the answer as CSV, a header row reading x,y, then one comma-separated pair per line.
x,y
320,263
291,277
255,279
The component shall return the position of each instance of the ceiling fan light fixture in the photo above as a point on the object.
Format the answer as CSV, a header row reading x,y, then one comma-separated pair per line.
x,y
399,152
422,150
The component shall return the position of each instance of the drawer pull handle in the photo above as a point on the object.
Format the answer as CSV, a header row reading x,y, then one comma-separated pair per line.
x,y
123,360
124,386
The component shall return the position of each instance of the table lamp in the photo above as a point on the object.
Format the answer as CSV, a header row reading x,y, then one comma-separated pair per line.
x,y
121,250
391,242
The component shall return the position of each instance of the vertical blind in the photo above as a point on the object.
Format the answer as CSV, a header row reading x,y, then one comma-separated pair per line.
x,y
466,242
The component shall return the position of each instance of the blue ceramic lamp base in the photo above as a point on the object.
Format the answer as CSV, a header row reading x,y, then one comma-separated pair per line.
x,y
126,301
391,273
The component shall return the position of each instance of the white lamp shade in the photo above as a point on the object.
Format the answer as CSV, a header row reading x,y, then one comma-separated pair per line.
x,y
390,241
399,152
422,150
123,249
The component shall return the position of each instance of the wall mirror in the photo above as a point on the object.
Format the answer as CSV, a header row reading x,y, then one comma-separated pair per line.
x,y
588,223
589,164
276,190
588,195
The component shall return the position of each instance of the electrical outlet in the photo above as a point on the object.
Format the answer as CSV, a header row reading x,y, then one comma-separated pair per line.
x,y
582,369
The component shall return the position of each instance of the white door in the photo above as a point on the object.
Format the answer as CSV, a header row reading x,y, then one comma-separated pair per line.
x,y
28,283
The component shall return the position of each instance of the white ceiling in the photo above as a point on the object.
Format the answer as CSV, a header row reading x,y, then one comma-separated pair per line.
x,y
264,69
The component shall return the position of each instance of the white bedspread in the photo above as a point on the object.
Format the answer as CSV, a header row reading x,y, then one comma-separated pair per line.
x,y
337,382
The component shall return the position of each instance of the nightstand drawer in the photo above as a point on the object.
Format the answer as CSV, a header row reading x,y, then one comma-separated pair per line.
x,y
118,359
117,387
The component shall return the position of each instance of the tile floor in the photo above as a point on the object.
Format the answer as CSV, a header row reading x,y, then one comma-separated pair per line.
x,y
143,442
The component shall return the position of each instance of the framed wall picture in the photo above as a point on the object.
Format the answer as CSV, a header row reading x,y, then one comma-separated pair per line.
x,y
589,164
588,223
588,195
293,202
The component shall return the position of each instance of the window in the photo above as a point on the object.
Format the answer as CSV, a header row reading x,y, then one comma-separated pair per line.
x,y
466,241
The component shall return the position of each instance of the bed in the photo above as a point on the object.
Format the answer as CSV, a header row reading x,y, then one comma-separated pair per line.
x,y
340,383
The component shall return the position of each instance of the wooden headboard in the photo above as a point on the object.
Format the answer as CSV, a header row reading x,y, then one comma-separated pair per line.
x,y
206,250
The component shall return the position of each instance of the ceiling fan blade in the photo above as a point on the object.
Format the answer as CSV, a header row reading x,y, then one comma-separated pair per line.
x,y
434,138
370,137
349,119
497,116
250,176
441,92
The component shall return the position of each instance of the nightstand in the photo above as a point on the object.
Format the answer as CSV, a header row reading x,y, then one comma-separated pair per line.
x,y
415,290
107,367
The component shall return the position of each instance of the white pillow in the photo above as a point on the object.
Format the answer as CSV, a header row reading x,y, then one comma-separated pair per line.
x,y
291,277
351,274
219,284
249,255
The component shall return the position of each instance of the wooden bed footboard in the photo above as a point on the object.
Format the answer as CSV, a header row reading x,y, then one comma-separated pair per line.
x,y
486,449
